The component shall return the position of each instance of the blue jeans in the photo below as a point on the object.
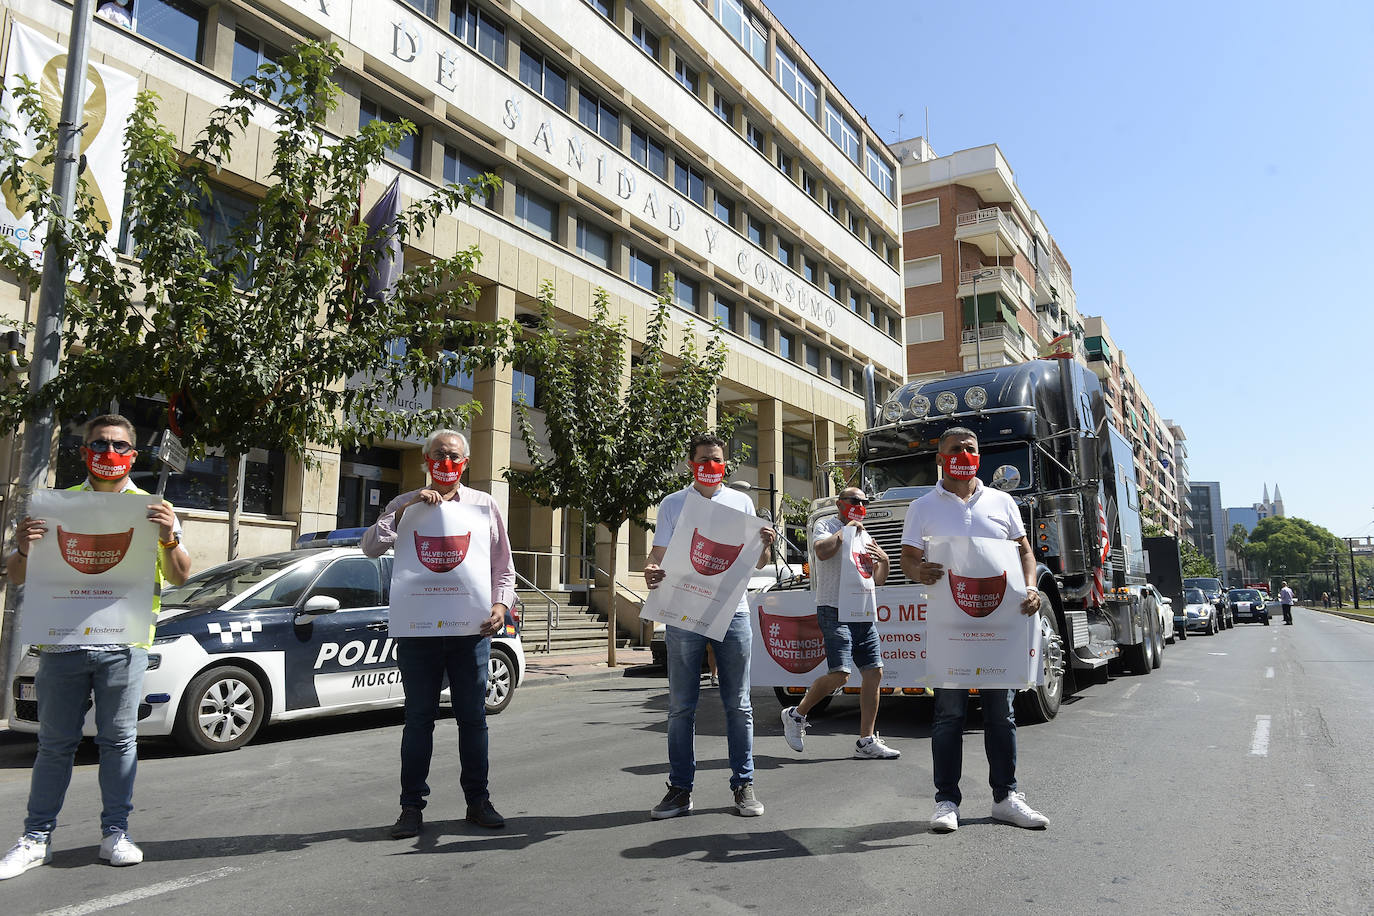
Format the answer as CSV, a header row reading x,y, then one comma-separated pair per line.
x,y
65,682
999,740
848,644
424,661
685,651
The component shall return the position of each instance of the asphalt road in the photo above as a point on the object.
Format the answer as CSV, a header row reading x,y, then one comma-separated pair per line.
x,y
1232,780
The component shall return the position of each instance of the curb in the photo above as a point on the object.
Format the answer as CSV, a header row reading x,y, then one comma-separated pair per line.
x,y
1362,618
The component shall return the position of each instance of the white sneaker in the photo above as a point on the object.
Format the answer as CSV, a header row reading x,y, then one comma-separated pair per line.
x,y
872,748
28,852
793,728
946,817
118,849
1014,810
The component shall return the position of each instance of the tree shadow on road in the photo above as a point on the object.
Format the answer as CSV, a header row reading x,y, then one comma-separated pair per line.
x,y
739,848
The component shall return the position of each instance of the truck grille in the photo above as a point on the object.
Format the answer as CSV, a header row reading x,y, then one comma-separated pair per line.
x,y
888,534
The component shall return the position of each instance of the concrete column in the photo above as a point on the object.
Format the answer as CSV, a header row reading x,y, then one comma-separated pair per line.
x,y
824,445
221,24
546,537
310,496
770,442
491,430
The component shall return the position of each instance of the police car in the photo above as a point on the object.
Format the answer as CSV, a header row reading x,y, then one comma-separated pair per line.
x,y
287,636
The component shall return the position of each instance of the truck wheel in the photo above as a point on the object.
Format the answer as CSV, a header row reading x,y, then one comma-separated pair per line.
x,y
222,710
1041,704
1139,658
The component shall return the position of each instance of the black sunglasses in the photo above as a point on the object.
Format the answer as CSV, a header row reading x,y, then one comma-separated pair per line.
x,y
852,501
101,446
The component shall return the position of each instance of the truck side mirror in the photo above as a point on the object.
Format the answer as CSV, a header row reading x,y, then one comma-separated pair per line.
x,y
1006,478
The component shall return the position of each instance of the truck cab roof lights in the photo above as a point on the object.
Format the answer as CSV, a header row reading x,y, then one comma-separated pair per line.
x,y
946,402
976,397
892,411
918,407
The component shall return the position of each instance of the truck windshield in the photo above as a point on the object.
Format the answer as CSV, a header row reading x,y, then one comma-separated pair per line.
x,y
919,470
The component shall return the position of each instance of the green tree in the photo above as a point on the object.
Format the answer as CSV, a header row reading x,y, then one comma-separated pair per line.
x,y
268,336
617,424
1290,546
1237,544
1194,564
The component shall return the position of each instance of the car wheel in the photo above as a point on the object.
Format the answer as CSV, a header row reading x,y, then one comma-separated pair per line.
x,y
1159,643
222,710
501,677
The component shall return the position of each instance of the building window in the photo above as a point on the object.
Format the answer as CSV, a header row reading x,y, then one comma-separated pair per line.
x,y
642,269
796,456
723,109
221,215
406,152
795,82
537,214
810,270
476,28
784,162
647,40
175,24
758,329
842,131
459,169
879,171
875,315
725,209
745,28
593,244
457,376
808,183
756,231
856,381
754,134
428,7
688,77
686,293
725,313
856,224
926,328
250,53
601,6
785,252
813,358
856,303
689,183
787,346
599,117
832,204
837,370
648,152
744,444
832,286
544,78
523,389
922,271
894,327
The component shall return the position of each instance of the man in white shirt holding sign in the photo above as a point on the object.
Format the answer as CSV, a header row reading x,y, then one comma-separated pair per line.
x,y
961,506
686,649
425,659
68,675
846,643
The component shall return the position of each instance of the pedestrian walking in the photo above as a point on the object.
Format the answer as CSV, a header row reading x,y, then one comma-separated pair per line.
x,y
1286,602
846,644
68,676
425,660
1326,600
685,650
960,505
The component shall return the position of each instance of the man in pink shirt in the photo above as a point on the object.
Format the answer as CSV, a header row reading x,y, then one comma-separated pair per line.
x,y
424,660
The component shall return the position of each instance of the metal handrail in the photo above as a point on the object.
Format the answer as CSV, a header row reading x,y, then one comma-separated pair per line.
x,y
551,610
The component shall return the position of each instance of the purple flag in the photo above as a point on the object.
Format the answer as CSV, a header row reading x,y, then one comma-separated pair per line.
x,y
381,233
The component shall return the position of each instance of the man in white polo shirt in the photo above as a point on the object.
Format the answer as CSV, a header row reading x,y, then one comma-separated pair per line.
x,y
960,505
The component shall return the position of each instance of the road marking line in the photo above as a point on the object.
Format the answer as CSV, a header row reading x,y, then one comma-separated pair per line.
x,y
1259,744
1274,649
142,893
1268,672
1131,692
1216,653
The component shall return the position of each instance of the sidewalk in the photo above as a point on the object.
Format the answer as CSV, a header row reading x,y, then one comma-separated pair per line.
x,y
547,670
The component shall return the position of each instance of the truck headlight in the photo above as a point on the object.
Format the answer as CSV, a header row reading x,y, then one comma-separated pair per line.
x,y
946,402
892,411
976,397
918,407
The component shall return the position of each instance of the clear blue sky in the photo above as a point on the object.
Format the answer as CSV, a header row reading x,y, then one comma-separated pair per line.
x,y
1205,169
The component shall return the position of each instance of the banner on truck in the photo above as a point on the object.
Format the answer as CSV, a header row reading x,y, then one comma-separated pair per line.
x,y
441,579
707,566
977,635
89,579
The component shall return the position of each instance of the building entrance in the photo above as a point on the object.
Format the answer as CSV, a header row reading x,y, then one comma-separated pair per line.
x,y
369,478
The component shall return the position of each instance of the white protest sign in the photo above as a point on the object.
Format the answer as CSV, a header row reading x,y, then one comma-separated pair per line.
x,y
978,636
857,603
90,578
789,649
441,580
706,566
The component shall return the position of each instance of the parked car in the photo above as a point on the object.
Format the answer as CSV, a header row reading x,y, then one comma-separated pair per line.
x,y
287,636
1249,605
1217,595
1177,630
1199,613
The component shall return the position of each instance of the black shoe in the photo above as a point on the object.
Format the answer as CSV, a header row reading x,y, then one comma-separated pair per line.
x,y
484,815
409,824
677,801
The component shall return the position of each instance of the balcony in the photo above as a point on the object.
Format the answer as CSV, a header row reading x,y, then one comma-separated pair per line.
x,y
1004,280
992,230
994,344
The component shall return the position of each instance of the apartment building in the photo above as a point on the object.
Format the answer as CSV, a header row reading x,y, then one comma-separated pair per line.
x,y
634,138
1209,532
985,283
1181,477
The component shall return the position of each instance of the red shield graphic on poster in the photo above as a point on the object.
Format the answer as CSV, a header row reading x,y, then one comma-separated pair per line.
x,y
93,553
710,558
795,643
441,553
863,563
977,596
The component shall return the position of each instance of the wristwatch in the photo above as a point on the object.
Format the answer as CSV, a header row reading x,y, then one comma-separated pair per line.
x,y
170,544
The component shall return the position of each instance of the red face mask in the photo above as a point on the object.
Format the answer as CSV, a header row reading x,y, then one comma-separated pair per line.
x,y
961,467
708,473
446,472
109,466
850,512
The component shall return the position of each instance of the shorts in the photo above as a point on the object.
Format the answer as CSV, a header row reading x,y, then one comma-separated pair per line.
x,y
848,644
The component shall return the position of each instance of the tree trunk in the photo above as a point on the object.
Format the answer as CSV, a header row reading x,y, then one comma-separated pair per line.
x,y
611,601
237,465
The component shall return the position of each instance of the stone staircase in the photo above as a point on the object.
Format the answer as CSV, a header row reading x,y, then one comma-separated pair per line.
x,y
578,627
